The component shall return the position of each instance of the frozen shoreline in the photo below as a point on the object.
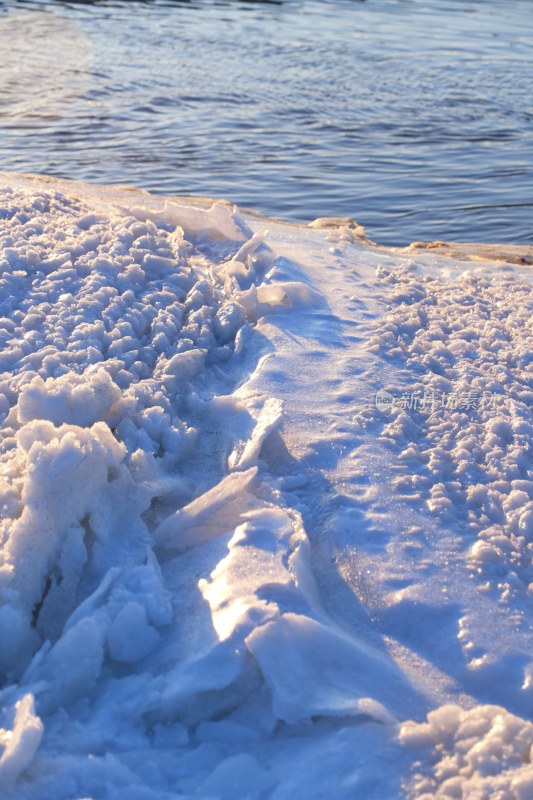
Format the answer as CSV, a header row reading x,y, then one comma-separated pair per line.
x,y
490,251
224,565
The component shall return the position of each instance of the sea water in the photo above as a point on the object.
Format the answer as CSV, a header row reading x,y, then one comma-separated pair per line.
x,y
412,116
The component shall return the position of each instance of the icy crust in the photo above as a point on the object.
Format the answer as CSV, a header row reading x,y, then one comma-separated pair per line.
x,y
165,627
156,594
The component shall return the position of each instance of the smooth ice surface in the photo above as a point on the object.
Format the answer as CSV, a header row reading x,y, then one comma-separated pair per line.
x,y
267,513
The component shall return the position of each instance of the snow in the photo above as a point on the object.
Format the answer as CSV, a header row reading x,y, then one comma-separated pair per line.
x,y
484,752
267,506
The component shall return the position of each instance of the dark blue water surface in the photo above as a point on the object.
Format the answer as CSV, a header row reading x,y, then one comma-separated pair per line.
x,y
413,116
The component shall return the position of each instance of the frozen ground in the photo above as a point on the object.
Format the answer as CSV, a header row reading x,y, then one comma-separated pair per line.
x,y
267,513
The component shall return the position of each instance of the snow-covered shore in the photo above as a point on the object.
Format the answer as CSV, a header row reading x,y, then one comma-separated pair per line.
x,y
267,513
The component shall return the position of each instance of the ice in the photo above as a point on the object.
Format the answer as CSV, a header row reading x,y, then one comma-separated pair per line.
x,y
21,742
277,298
266,506
237,776
130,637
73,665
219,221
268,419
306,665
210,515
65,473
